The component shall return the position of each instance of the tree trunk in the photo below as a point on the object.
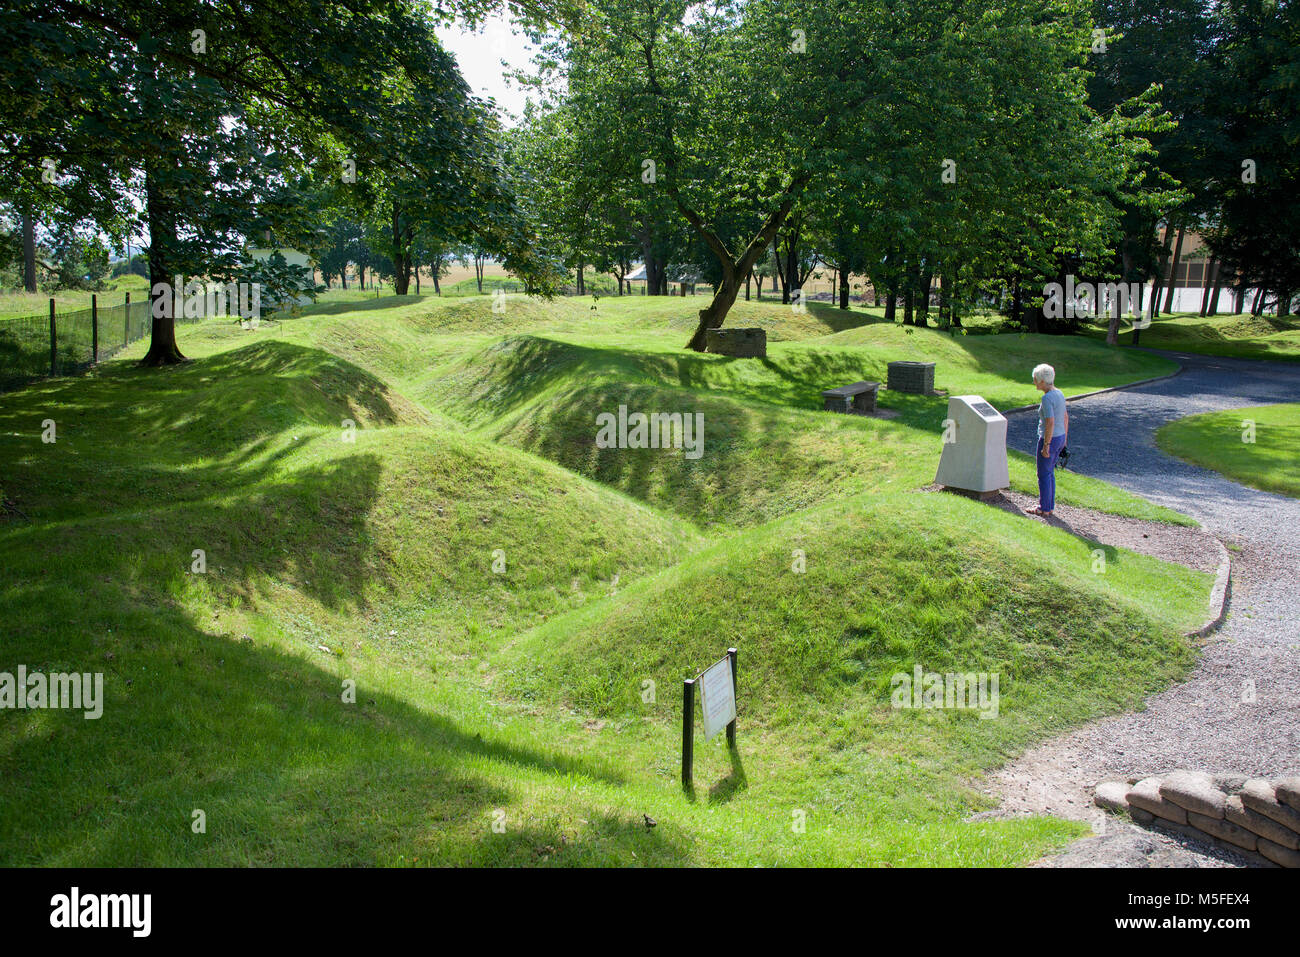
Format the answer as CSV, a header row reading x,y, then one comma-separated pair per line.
x,y
793,280
162,233
724,296
923,293
712,315
417,280
401,252
1015,300
1112,327
1207,285
891,302
954,315
909,295
29,252
844,289
780,272
1173,271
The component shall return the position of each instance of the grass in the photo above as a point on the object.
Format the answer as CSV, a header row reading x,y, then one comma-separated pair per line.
x,y
1257,446
505,600
1233,336
16,304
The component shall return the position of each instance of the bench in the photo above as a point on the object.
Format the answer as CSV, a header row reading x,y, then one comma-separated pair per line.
x,y
856,399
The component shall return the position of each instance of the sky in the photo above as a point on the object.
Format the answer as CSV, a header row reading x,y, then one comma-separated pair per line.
x,y
479,55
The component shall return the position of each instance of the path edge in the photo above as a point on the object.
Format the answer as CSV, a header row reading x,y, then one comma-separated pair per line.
x,y
1220,595
1114,388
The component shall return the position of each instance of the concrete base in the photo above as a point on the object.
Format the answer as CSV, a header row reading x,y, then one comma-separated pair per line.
x,y
978,496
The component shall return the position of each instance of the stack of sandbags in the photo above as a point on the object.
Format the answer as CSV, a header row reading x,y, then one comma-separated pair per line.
x,y
1249,815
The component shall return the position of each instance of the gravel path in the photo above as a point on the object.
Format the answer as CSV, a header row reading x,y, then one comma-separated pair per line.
x,y
1202,724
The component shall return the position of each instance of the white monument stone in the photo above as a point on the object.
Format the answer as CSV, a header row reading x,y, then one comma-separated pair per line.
x,y
974,455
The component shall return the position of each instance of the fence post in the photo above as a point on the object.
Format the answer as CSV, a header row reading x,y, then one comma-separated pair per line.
x,y
126,323
54,348
94,329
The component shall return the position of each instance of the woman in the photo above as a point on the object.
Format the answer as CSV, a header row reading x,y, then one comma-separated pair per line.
x,y
1053,423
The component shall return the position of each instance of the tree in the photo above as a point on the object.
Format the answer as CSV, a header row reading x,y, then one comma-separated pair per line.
x,y
1255,179
208,110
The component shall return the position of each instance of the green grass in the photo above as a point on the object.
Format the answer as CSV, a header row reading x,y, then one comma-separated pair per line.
x,y
1233,336
1257,446
501,595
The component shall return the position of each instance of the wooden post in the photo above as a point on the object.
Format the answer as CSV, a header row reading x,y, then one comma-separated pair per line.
x,y
126,323
54,348
688,731
94,329
735,693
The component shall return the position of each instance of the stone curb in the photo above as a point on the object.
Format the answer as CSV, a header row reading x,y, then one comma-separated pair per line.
x,y
1088,395
1219,595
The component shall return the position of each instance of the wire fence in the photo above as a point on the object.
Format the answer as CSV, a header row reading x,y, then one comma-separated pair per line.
x,y
69,343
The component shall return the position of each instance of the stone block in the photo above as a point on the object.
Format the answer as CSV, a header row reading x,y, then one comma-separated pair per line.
x,y
906,376
740,343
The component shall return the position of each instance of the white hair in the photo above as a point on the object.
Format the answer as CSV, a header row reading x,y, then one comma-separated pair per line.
x,y
1044,373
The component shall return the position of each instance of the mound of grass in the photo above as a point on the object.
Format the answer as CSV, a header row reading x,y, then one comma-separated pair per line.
x,y
891,583
131,437
762,458
497,592
1235,336
1222,441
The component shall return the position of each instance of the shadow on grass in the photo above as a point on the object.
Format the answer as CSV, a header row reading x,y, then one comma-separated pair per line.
x,y
261,741
388,301
134,438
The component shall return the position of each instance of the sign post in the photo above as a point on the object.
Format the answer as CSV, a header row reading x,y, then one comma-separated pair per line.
x,y
718,690
731,725
688,731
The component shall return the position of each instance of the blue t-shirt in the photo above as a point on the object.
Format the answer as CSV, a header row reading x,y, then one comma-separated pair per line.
x,y
1052,407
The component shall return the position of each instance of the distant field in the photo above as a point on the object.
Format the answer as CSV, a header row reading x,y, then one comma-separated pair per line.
x,y
16,304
